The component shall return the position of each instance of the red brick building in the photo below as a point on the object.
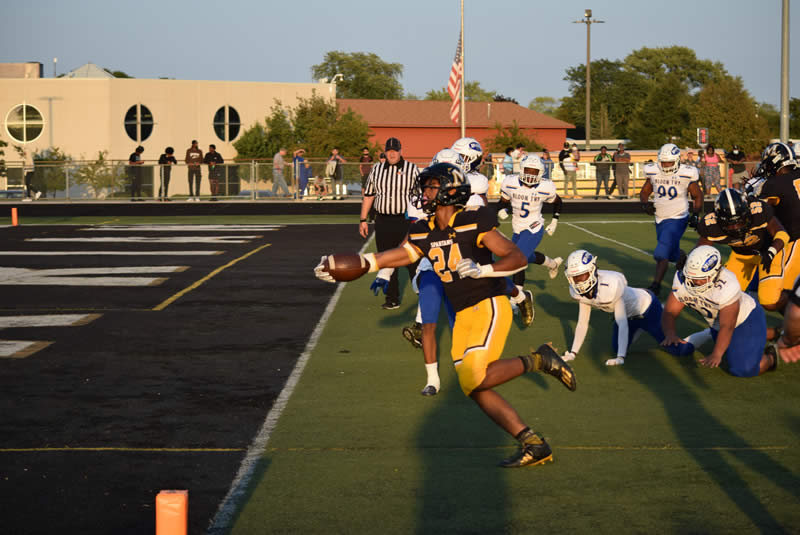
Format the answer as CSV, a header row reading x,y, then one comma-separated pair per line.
x,y
424,126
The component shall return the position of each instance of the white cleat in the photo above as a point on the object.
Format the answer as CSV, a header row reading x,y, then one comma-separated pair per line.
x,y
554,270
568,356
619,361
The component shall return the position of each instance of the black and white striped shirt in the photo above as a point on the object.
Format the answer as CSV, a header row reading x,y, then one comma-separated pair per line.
x,y
391,186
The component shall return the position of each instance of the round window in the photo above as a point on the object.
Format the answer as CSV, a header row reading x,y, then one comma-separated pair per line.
x,y
24,123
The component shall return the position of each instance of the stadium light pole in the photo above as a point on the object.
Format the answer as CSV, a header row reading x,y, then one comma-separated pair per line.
x,y
588,21
784,125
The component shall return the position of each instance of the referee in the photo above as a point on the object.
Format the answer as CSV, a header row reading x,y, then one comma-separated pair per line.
x,y
388,191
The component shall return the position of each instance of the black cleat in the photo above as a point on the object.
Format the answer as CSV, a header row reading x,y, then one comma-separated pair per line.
x,y
390,305
526,309
414,335
772,350
552,364
429,390
529,454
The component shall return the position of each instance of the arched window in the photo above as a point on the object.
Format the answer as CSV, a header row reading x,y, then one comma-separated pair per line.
x,y
138,122
226,123
24,123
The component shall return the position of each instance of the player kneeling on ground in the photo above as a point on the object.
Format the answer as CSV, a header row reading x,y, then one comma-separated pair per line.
x,y
635,310
737,322
460,243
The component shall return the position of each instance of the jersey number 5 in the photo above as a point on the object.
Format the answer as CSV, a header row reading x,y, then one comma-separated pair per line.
x,y
443,264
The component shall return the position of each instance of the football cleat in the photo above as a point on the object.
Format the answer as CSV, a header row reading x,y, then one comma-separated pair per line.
x,y
772,350
552,364
414,335
526,309
553,271
429,390
619,361
529,454
655,288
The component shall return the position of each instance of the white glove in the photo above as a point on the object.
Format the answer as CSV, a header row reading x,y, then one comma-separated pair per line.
x,y
320,272
502,214
551,228
467,267
568,356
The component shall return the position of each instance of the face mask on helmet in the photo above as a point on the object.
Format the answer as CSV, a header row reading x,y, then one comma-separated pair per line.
x,y
669,158
581,271
732,211
775,157
531,170
441,184
702,269
471,151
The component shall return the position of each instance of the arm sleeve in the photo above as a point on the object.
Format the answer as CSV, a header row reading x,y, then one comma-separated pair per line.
x,y
622,326
584,311
557,206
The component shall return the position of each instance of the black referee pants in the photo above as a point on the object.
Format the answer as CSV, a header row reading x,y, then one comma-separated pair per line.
x,y
390,231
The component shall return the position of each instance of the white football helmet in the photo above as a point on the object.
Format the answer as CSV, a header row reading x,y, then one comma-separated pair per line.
x,y
527,165
669,158
578,263
478,183
448,156
471,151
702,269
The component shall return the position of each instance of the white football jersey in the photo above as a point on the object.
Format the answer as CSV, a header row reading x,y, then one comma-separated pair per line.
x,y
526,202
413,213
725,292
671,190
611,287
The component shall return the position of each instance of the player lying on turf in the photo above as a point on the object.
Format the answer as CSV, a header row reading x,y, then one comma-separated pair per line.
x,y
736,321
459,243
635,310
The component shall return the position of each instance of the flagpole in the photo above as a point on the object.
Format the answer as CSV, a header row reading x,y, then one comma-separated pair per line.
x,y
463,78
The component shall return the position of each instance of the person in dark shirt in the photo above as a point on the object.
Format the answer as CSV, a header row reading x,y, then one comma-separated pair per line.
x,y
460,243
214,161
166,161
135,173
736,159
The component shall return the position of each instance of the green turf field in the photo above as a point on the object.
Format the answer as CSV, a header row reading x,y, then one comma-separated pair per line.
x,y
659,445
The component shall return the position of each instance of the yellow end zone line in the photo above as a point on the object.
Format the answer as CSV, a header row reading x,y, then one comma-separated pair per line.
x,y
164,304
122,449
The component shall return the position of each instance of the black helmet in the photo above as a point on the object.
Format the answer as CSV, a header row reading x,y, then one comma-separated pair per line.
x,y
733,212
774,157
454,189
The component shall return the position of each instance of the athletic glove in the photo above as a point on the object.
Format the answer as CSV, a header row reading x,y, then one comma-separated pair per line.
x,y
502,214
694,219
648,208
381,281
551,228
767,257
320,272
467,267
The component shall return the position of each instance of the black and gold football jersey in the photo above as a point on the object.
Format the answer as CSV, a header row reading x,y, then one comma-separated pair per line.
x,y
462,238
783,192
757,238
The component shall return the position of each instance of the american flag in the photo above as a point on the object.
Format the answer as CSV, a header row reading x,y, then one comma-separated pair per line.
x,y
454,83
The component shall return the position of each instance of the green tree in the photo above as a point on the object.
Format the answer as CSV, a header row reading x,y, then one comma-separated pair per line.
x,y
794,117
472,92
772,116
117,74
252,144
51,170
509,136
279,131
730,113
365,75
653,64
662,116
546,105
102,176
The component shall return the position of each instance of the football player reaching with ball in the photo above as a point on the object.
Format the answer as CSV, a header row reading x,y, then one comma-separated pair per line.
x,y
459,242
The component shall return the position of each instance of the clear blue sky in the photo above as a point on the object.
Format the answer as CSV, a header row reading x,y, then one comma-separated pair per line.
x,y
519,48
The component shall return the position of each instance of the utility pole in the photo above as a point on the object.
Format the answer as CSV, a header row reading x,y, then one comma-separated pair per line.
x,y
785,72
588,21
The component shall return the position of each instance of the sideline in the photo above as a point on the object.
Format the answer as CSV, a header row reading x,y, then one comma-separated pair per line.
x,y
622,244
221,522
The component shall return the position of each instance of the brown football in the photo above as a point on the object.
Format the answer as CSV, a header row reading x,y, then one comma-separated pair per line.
x,y
346,266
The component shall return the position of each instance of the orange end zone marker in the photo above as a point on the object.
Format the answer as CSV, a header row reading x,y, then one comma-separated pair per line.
x,y
172,510
14,221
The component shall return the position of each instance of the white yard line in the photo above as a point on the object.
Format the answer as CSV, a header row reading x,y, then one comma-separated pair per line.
x,y
47,320
221,522
187,228
145,239
622,244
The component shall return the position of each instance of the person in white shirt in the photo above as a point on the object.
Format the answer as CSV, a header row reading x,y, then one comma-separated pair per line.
x,y
634,309
736,321
671,183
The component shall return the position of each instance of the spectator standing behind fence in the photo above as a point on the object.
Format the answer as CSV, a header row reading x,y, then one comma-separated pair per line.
x,y
299,166
602,161
365,167
517,155
622,170
135,173
508,162
388,191
214,161
711,176
690,159
570,168
278,164
548,165
166,161
194,157
736,157
28,168
335,170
